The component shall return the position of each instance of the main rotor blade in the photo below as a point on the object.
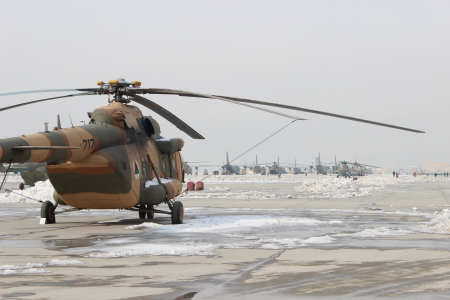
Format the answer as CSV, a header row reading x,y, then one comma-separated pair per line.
x,y
322,113
168,116
198,95
42,100
49,91
189,94
367,165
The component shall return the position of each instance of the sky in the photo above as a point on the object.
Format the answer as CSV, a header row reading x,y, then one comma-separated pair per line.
x,y
385,61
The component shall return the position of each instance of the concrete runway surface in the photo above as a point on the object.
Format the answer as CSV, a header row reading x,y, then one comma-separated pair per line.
x,y
239,240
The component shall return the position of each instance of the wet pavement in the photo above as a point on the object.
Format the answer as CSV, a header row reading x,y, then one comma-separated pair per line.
x,y
390,244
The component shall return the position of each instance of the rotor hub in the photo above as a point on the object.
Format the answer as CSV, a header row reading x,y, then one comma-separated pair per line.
x,y
118,88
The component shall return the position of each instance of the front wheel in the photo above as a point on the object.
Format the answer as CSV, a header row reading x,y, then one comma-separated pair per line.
x,y
177,213
48,212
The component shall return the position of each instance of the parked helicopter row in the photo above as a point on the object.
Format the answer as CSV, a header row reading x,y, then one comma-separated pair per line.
x,y
339,168
119,160
34,172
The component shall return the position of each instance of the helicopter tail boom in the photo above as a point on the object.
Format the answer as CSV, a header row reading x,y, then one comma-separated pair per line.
x,y
70,144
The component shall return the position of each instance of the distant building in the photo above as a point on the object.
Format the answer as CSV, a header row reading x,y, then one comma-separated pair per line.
x,y
434,167
381,171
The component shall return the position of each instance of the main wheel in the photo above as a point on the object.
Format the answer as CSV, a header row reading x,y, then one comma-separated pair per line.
x,y
150,214
142,213
177,213
48,212
21,186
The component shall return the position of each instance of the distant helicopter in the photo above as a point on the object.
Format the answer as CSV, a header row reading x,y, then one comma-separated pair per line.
x,y
360,169
30,172
119,160
347,169
276,168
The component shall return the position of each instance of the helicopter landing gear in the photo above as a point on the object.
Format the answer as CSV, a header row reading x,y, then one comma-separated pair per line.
x,y
150,214
48,212
177,212
143,212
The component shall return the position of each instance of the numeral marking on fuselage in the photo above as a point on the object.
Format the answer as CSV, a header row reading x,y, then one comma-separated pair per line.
x,y
88,144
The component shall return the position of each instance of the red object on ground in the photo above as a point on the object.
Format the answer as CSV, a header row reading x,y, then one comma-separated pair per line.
x,y
199,186
355,178
414,174
191,186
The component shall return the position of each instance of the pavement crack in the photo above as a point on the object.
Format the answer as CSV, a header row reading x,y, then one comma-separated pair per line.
x,y
218,290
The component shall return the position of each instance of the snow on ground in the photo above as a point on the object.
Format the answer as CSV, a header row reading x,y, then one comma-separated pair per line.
x,y
207,230
205,234
43,190
31,268
258,178
439,223
305,186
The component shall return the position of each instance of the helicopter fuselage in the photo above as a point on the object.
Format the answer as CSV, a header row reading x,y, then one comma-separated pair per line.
x,y
119,160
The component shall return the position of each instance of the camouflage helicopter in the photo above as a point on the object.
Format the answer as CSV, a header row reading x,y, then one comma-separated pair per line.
x,y
347,169
30,172
343,169
119,160
360,169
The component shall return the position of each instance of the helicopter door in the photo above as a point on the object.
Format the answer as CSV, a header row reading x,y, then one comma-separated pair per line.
x,y
166,169
176,165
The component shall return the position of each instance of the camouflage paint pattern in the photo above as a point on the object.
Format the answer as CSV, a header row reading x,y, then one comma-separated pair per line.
x,y
112,162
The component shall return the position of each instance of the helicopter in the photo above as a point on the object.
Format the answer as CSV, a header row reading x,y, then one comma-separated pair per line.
x,y
360,169
30,172
347,169
342,168
119,160
276,168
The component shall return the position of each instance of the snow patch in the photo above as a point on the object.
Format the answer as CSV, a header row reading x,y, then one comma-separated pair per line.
x,y
143,225
439,223
66,262
43,190
154,181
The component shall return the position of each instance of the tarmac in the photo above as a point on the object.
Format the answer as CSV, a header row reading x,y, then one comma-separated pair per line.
x,y
60,261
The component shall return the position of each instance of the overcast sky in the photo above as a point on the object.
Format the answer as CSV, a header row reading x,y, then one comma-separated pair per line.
x,y
386,61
